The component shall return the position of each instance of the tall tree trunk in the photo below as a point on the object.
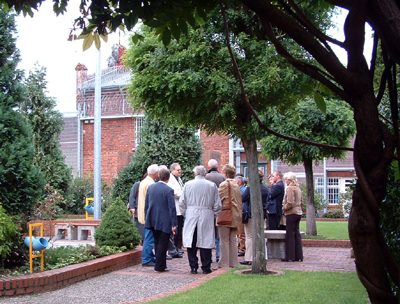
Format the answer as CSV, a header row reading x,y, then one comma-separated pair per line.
x,y
311,225
373,261
259,264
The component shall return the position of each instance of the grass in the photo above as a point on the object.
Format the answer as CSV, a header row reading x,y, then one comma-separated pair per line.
x,y
328,230
291,287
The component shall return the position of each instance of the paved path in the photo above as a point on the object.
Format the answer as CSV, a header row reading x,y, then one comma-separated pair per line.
x,y
131,285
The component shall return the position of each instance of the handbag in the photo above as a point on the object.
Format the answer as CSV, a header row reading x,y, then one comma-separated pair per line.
x,y
225,217
245,217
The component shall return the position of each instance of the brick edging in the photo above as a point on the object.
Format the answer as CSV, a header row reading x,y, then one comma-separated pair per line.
x,y
326,243
58,278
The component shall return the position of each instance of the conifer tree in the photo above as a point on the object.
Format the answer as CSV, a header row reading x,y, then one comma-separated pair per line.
x,y
21,183
116,228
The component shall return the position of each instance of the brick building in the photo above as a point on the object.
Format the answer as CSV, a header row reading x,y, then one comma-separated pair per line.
x,y
120,134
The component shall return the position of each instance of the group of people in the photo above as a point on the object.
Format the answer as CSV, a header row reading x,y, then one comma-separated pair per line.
x,y
171,215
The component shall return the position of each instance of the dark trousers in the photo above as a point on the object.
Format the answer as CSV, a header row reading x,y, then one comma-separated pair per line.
x,y
161,240
178,235
205,255
273,221
294,249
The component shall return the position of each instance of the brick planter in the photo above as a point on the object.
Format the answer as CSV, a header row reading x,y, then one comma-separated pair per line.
x,y
326,243
58,278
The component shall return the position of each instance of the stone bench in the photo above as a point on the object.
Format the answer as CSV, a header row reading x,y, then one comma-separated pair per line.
x,y
75,231
275,240
65,231
83,231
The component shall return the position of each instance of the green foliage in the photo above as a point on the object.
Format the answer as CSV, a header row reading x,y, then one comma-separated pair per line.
x,y
21,182
307,122
81,188
62,256
48,209
346,200
116,228
390,214
319,202
335,213
8,230
193,82
47,124
13,251
161,144
11,88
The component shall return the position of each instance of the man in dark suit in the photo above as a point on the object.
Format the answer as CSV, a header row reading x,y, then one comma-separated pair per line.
x,y
275,198
161,216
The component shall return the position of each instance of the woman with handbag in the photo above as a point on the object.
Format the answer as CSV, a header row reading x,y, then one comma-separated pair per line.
x,y
229,218
292,203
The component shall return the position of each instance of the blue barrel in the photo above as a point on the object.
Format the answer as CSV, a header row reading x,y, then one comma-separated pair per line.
x,y
37,244
89,209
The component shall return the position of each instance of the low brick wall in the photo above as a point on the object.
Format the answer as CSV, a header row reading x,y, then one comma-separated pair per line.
x,y
58,278
323,219
326,243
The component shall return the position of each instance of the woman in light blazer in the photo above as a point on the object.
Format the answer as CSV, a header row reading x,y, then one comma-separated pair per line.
x,y
292,203
227,233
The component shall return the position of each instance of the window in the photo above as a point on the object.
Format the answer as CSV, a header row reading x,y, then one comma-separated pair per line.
x,y
319,185
261,166
138,130
333,188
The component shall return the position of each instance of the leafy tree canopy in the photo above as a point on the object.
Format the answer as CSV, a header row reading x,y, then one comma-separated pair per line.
x,y
305,121
161,144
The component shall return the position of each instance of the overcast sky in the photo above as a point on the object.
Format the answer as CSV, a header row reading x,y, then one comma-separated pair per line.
x,y
43,39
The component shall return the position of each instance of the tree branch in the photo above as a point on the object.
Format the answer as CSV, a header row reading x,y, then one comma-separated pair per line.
x,y
310,26
248,104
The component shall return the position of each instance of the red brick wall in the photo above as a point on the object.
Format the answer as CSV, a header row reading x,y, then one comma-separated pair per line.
x,y
216,147
117,137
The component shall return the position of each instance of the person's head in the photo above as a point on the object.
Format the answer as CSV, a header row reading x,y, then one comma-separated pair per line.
x,y
163,174
212,163
229,171
239,180
260,174
276,176
199,170
176,169
290,178
245,181
152,171
240,174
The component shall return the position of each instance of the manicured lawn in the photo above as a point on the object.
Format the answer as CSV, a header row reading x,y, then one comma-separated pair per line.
x,y
328,230
291,287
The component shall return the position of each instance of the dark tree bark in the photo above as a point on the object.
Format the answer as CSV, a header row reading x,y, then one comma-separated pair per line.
x,y
374,146
259,263
311,225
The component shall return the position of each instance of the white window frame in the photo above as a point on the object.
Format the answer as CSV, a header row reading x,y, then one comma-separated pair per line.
x,y
138,130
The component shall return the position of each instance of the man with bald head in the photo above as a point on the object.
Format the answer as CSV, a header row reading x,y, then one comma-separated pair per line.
x,y
200,204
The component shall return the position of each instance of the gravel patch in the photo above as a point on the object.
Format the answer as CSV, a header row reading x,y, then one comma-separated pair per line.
x,y
110,288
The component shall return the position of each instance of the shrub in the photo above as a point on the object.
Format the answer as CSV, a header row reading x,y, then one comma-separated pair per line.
x,y
81,188
319,202
116,228
8,230
334,214
13,251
